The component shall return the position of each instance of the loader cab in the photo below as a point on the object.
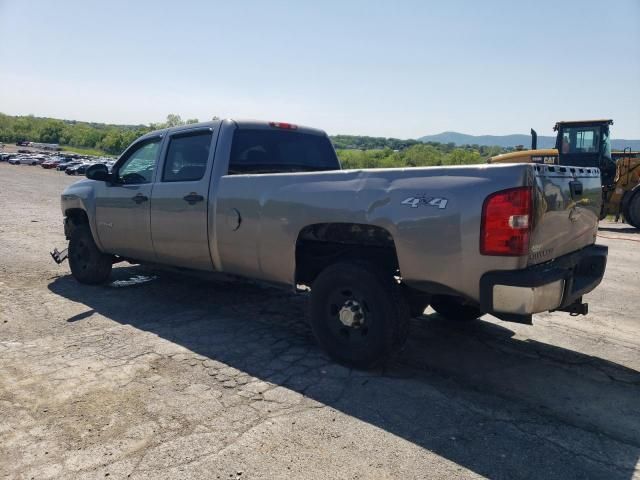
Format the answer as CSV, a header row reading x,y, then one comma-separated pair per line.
x,y
586,143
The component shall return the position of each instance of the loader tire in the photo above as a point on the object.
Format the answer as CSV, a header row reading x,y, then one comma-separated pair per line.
x,y
633,210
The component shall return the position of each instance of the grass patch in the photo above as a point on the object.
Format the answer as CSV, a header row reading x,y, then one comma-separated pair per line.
x,y
85,151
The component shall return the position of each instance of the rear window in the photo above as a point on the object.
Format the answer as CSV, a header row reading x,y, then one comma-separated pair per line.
x,y
273,151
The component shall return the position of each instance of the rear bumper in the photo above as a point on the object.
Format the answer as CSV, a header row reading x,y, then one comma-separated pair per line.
x,y
553,285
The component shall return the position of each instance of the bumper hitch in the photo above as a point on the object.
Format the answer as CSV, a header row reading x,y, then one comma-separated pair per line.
x,y
59,257
576,308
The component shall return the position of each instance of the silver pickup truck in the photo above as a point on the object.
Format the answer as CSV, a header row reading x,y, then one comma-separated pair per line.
x,y
268,201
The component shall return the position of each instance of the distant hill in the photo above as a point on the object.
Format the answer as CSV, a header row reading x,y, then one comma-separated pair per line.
x,y
506,141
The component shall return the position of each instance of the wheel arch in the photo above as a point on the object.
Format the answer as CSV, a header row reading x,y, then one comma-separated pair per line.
x,y
75,216
319,245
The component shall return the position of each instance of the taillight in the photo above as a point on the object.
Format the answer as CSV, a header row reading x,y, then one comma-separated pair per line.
x,y
506,222
283,125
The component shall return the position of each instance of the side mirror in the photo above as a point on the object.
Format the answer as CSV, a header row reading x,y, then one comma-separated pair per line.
x,y
98,172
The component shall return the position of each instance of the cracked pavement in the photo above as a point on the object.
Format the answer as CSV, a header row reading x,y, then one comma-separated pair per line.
x,y
168,376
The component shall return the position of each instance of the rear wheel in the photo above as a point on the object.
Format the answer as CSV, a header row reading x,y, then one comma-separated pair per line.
x,y
88,264
358,315
453,308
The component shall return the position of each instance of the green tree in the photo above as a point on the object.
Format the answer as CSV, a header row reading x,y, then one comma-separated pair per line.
x,y
173,120
51,131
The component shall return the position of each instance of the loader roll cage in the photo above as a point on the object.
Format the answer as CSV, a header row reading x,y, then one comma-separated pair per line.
x,y
586,143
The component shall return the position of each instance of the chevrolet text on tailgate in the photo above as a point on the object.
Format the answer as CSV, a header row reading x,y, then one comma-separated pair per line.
x,y
269,201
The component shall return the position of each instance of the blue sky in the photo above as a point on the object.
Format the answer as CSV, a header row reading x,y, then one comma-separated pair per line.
x,y
403,69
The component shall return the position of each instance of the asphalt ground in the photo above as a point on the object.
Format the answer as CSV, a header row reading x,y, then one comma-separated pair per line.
x,y
157,375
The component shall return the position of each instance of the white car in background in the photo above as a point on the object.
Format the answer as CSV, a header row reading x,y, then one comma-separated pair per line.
x,y
26,160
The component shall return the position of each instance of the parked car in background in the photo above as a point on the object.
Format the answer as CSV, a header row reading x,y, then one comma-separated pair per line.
x,y
82,168
64,165
71,169
51,163
78,169
26,160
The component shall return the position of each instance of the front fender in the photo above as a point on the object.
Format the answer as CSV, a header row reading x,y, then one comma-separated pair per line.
x,y
82,196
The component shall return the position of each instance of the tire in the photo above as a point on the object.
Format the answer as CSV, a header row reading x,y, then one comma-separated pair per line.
x,y
88,264
632,214
370,302
453,309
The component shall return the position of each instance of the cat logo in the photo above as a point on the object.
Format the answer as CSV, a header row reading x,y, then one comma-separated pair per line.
x,y
546,159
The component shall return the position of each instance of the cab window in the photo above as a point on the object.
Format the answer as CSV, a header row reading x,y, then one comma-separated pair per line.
x,y
140,163
187,157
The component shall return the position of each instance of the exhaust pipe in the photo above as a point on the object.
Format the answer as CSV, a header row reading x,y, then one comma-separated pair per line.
x,y
534,139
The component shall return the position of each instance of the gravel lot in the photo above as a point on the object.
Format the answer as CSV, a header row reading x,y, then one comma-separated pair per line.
x,y
175,377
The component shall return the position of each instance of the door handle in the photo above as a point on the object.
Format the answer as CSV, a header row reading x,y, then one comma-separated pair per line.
x,y
140,198
193,198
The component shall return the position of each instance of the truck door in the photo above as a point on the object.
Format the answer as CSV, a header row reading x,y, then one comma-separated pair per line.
x,y
179,203
122,207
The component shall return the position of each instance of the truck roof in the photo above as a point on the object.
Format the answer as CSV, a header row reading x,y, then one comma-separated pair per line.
x,y
240,123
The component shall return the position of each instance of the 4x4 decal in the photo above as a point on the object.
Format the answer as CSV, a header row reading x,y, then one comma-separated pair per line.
x,y
418,200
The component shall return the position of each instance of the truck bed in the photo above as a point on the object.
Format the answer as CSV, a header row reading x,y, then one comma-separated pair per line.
x,y
436,237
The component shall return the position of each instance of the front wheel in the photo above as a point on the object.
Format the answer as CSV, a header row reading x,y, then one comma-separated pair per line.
x,y
452,308
88,264
357,314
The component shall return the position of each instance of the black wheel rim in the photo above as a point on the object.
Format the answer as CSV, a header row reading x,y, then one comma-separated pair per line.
x,y
342,298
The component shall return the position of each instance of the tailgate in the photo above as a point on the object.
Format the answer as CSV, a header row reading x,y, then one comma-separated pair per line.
x,y
567,207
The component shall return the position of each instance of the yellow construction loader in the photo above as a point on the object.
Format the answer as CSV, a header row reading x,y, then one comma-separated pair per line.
x,y
587,143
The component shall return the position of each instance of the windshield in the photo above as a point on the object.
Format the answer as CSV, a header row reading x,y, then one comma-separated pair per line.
x,y
582,139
